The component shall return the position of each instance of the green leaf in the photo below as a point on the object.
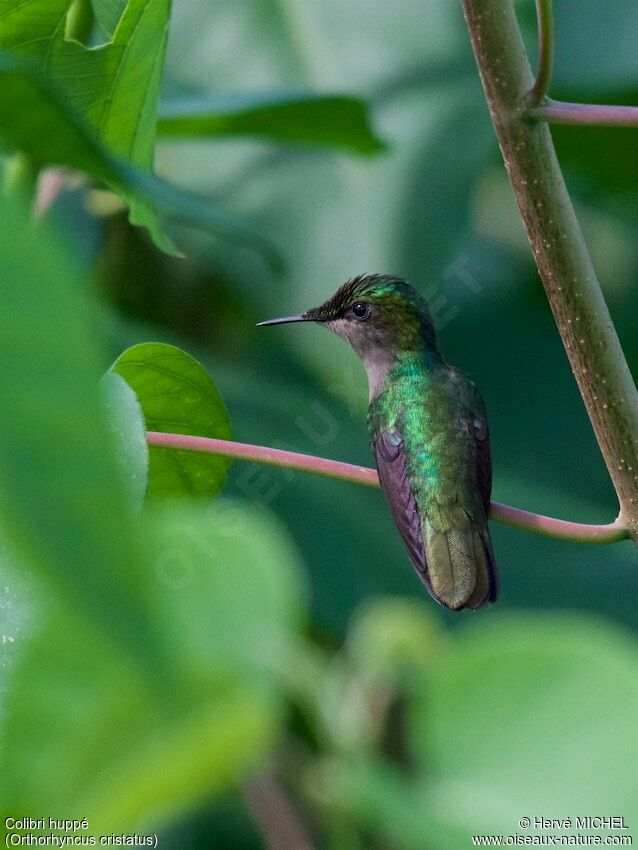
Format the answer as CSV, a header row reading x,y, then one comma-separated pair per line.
x,y
107,14
62,502
373,794
522,715
555,694
114,87
95,110
393,639
226,617
34,117
72,700
303,118
110,90
129,432
125,670
177,396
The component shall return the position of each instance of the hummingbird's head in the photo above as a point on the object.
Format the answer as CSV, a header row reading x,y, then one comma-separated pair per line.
x,y
380,316
374,313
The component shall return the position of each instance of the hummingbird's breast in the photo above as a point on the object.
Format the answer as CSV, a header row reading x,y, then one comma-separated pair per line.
x,y
422,399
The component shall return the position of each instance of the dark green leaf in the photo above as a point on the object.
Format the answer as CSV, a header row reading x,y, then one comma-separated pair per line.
x,y
298,117
177,396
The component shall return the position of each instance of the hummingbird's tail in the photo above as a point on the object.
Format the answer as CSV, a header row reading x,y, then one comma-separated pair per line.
x,y
460,567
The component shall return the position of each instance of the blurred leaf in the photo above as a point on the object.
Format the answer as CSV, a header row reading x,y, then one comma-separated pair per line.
x,y
395,638
299,117
553,694
127,424
61,498
556,694
125,670
231,578
73,700
170,707
177,396
382,801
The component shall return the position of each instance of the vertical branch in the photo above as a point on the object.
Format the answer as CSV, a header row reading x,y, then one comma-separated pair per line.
x,y
564,264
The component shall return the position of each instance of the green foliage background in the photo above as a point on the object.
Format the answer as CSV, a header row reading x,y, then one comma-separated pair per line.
x,y
155,660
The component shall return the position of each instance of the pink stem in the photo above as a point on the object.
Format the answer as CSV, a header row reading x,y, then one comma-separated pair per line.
x,y
273,457
559,112
548,526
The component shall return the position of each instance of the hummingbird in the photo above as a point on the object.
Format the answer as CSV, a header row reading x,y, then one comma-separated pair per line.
x,y
429,434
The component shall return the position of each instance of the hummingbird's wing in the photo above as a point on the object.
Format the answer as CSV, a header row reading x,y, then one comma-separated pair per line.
x,y
390,461
487,580
449,547
478,415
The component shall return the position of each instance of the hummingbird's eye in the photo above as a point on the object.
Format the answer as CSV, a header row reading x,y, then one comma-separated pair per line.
x,y
360,310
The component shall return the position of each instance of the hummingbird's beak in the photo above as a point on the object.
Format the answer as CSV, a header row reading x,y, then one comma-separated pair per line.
x,y
284,321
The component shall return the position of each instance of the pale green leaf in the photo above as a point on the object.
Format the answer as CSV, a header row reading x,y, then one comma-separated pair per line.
x,y
193,724
194,717
35,118
552,694
129,434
